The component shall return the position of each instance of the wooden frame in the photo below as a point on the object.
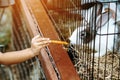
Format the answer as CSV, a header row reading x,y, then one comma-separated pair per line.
x,y
37,18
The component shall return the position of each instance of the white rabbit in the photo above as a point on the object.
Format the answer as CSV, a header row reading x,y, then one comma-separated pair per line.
x,y
93,37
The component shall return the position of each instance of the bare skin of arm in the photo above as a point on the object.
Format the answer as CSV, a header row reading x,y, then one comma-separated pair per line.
x,y
19,56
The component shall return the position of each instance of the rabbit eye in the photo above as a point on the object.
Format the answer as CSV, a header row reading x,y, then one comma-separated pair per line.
x,y
83,34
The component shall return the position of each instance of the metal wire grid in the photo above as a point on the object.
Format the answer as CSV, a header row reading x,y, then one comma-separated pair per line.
x,y
89,67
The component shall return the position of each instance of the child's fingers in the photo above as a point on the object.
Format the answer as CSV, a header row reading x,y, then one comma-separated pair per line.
x,y
42,39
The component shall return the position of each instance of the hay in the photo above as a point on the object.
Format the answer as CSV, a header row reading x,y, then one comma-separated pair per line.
x,y
88,68
106,67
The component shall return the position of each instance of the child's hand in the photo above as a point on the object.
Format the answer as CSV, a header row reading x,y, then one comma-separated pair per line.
x,y
37,43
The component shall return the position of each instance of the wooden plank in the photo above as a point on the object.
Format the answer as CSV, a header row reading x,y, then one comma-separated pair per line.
x,y
62,61
48,68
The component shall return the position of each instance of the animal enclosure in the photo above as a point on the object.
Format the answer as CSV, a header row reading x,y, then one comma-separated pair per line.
x,y
26,18
91,27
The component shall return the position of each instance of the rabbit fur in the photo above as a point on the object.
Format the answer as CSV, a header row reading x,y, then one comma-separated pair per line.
x,y
96,38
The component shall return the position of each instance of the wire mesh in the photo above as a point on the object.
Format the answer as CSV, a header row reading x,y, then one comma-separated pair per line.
x,y
93,33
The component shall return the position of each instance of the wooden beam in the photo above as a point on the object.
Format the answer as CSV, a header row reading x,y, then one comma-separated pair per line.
x,y
60,56
31,26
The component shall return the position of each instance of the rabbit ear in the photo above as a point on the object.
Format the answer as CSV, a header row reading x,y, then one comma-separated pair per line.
x,y
111,12
115,10
97,10
103,19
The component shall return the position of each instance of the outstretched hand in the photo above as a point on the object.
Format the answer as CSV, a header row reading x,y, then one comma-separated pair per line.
x,y
37,43
15,57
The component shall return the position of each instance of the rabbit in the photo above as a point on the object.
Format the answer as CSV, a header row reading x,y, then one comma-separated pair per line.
x,y
96,38
88,8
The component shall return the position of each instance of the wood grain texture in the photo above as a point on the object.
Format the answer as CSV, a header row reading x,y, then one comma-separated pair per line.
x,y
33,9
